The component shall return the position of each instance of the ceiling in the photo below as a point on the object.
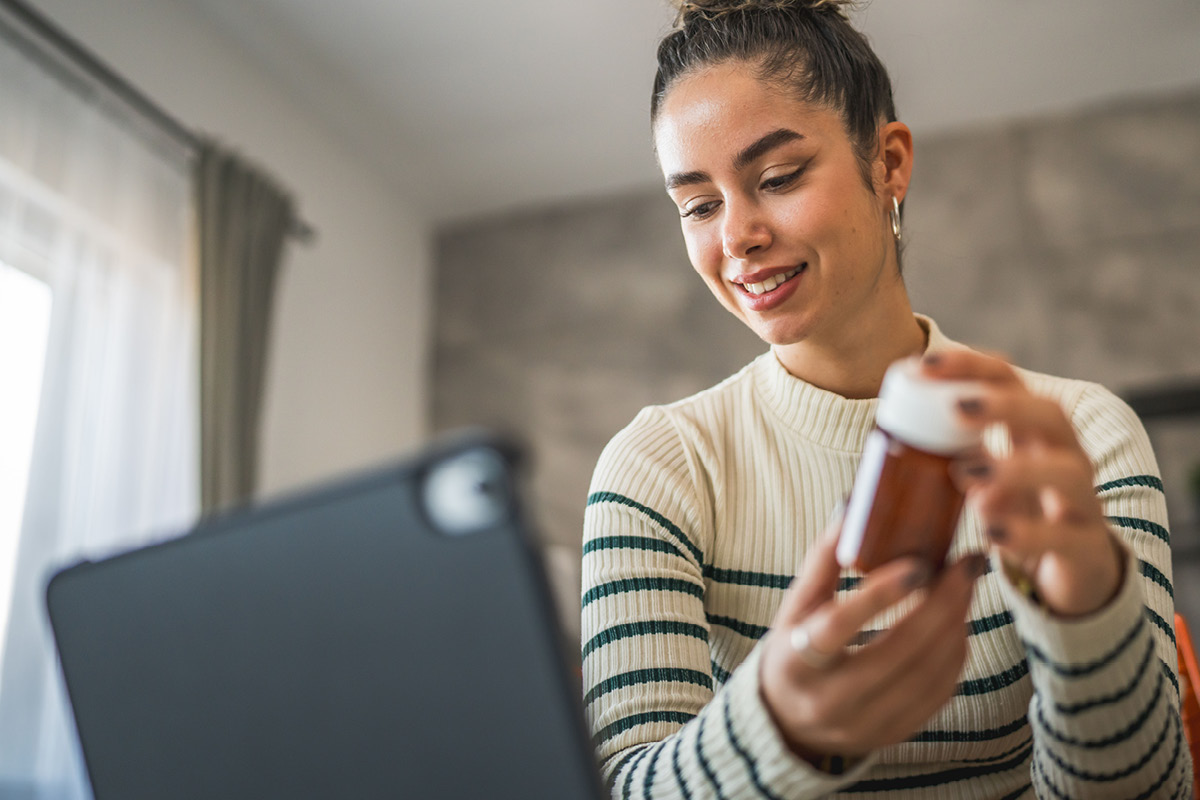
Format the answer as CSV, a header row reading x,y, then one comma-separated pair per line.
x,y
480,106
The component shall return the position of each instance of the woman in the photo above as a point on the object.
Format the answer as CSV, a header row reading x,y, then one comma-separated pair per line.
x,y
1045,668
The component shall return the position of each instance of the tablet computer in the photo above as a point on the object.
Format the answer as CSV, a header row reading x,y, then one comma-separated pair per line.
x,y
392,635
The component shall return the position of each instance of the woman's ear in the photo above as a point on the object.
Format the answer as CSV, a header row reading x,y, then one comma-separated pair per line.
x,y
896,154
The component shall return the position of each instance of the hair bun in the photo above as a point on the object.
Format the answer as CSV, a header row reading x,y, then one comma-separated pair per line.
x,y
689,10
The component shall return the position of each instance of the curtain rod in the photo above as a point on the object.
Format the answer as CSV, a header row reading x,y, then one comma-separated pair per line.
x,y
85,64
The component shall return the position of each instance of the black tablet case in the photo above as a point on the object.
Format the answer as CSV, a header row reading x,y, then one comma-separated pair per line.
x,y
336,644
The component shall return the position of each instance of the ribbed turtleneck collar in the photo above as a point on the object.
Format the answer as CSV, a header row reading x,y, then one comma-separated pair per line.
x,y
821,416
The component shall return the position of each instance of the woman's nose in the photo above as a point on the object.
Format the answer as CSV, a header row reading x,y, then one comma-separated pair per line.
x,y
744,232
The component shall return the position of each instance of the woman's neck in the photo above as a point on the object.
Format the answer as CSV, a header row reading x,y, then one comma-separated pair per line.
x,y
852,362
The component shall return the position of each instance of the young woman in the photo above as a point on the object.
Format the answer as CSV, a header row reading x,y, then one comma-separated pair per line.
x,y
1041,661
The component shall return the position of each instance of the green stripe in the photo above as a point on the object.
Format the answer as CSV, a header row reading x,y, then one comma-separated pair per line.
x,y
974,627
939,778
1162,625
1150,792
644,718
683,788
747,629
1079,670
994,683
1125,772
1150,571
622,761
1108,741
1142,525
648,783
633,768
1151,481
971,735
1119,694
1183,787
712,777
990,759
645,628
767,580
741,577
986,624
720,674
640,677
1170,676
745,756
630,543
666,524
641,585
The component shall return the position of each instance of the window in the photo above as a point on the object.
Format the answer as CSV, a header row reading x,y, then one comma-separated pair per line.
x,y
24,323
98,413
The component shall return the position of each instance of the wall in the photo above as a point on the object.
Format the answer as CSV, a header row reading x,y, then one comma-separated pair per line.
x,y
1071,243
348,371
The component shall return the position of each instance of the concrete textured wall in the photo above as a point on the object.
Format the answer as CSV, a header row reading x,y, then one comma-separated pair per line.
x,y
1070,243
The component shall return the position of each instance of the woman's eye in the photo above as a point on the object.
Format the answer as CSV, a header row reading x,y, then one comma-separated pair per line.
x,y
781,181
701,210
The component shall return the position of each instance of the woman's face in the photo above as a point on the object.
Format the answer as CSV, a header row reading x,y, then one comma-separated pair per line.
x,y
777,217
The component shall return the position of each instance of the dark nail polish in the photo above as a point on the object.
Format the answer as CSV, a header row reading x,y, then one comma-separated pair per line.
x,y
971,406
918,576
978,469
931,359
997,534
978,565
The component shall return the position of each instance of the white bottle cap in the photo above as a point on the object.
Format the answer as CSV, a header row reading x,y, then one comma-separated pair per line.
x,y
922,412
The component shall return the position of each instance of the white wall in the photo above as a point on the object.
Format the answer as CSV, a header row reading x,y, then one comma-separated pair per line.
x,y
347,380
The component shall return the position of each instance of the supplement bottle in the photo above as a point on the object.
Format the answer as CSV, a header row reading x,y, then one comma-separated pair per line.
x,y
904,501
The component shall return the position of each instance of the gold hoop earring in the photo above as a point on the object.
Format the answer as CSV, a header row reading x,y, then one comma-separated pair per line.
x,y
895,218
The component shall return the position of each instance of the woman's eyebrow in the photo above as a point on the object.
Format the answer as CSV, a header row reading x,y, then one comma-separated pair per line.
x,y
764,145
760,146
686,179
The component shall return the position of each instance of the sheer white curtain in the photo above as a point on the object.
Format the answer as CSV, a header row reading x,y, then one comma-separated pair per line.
x,y
100,213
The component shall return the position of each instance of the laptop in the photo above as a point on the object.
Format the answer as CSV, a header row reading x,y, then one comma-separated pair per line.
x,y
389,636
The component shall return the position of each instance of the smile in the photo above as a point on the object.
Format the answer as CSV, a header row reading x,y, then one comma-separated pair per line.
x,y
773,282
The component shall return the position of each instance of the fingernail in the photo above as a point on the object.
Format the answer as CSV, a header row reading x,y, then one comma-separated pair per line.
x,y
977,564
917,576
931,359
997,533
971,406
977,469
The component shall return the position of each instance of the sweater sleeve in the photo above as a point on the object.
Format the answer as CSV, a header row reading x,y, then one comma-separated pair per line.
x,y
1105,707
661,726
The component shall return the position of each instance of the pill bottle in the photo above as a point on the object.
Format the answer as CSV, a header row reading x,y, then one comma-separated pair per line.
x,y
904,501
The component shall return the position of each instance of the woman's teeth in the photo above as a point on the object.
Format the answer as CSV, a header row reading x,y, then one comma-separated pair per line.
x,y
771,282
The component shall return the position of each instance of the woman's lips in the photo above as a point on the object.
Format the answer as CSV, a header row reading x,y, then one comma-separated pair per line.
x,y
770,290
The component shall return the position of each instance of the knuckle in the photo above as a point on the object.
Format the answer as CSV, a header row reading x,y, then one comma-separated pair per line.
x,y
821,710
837,618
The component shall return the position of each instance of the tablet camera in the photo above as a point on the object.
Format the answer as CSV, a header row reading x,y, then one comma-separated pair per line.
x,y
467,493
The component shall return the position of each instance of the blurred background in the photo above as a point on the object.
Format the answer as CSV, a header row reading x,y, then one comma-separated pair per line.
x,y
493,245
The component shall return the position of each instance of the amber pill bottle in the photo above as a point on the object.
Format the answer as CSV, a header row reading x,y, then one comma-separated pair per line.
x,y
904,501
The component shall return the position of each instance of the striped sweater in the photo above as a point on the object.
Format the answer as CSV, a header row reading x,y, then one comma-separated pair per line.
x,y
699,515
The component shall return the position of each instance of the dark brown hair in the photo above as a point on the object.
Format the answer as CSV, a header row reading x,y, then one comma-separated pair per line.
x,y
806,46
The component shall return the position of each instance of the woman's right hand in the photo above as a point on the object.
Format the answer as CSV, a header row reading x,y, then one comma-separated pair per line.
x,y
883,692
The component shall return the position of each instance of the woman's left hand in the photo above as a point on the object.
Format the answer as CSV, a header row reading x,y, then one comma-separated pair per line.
x,y
1038,504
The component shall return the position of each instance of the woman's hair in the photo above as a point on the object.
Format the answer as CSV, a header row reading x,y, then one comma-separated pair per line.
x,y
806,46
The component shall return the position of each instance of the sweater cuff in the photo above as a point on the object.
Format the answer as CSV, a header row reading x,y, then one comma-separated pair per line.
x,y
1082,646
757,750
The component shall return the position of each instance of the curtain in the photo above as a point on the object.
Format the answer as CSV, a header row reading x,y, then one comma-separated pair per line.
x,y
100,214
244,219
